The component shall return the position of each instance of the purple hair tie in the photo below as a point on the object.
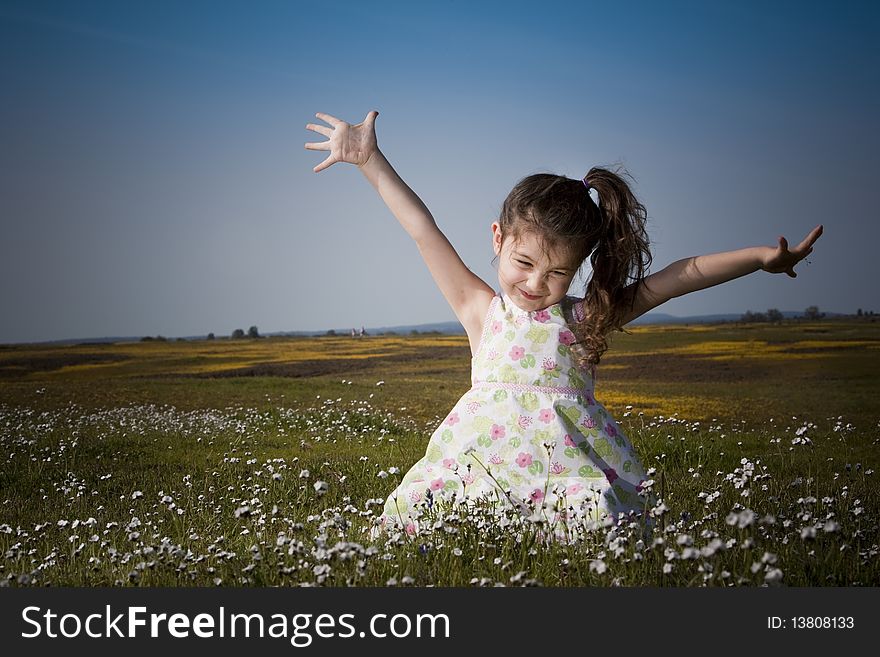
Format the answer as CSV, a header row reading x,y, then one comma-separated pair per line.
x,y
587,185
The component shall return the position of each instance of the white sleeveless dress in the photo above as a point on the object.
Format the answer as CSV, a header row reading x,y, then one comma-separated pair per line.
x,y
531,431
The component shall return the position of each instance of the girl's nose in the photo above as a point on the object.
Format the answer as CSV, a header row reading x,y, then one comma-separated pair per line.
x,y
536,283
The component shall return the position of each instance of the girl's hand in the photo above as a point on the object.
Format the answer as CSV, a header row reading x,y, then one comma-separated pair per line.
x,y
354,144
782,260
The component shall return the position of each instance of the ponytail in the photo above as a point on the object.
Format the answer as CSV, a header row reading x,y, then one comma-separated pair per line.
x,y
621,256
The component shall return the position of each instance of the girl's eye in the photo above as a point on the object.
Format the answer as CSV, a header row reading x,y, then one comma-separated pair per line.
x,y
524,263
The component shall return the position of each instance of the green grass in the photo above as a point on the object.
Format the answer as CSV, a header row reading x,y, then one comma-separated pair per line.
x,y
162,479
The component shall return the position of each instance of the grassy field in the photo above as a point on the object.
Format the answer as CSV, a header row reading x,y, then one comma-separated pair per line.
x,y
262,462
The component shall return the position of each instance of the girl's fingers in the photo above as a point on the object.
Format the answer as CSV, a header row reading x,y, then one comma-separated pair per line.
x,y
813,236
324,130
332,120
318,145
326,163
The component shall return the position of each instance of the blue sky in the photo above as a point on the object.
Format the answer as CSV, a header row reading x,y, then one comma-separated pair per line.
x,y
155,180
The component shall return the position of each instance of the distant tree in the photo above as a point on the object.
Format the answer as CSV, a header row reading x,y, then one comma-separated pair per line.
x,y
181,339
812,312
237,333
749,316
330,333
859,313
773,315
210,336
147,338
253,332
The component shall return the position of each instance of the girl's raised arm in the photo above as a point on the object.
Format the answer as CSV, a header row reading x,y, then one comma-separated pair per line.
x,y
699,272
467,294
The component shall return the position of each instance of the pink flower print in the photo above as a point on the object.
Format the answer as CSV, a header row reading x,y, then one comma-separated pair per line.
x,y
574,489
449,463
557,468
546,415
524,421
452,419
415,496
517,352
473,406
496,327
549,364
568,441
611,475
542,316
492,355
497,432
566,337
437,484
536,495
524,459
410,528
495,459
589,422
469,478
610,430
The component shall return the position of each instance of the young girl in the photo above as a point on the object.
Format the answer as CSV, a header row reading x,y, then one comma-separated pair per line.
x,y
530,433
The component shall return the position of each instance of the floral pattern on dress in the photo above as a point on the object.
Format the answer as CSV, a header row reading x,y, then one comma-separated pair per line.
x,y
529,432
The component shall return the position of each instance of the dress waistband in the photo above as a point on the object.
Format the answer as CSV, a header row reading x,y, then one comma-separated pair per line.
x,y
524,387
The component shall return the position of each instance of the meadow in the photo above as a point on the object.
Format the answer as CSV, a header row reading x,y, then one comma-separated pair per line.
x,y
262,462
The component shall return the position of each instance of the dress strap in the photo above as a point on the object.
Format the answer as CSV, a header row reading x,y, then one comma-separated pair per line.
x,y
487,320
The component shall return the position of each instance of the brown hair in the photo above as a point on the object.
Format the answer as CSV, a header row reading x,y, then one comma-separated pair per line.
x,y
561,213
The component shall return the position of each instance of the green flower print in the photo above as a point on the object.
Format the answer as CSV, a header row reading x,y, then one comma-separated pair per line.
x,y
540,438
589,472
529,401
603,448
571,413
507,374
575,378
434,453
482,424
538,334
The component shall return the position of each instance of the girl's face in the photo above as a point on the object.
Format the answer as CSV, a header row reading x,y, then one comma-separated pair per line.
x,y
532,278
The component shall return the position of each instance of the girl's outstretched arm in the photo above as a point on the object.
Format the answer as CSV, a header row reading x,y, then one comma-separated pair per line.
x,y
699,272
467,294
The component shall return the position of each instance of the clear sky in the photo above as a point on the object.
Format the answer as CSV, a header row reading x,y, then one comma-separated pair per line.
x,y
154,179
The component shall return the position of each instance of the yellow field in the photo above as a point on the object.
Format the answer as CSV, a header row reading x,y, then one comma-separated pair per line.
x,y
695,372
